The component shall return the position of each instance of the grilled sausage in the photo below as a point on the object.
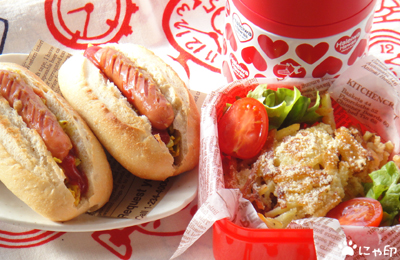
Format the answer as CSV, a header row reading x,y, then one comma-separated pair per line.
x,y
135,83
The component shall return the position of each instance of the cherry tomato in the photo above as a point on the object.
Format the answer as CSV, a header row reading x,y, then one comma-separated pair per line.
x,y
243,129
358,212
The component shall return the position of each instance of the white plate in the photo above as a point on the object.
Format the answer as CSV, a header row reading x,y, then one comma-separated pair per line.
x,y
14,211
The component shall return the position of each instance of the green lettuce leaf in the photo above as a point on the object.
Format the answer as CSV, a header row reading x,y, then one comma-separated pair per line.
x,y
286,107
388,219
386,189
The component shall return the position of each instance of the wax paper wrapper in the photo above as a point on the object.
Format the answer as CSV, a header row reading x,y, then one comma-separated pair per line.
x,y
366,95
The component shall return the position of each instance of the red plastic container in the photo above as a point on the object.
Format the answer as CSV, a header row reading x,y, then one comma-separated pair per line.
x,y
233,242
292,38
305,19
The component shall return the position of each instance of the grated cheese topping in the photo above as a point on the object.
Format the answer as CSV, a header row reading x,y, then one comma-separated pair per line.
x,y
311,170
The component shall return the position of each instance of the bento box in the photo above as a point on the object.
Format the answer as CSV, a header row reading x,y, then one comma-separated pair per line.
x,y
238,231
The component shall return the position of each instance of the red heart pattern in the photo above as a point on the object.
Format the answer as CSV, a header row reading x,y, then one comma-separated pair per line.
x,y
285,57
273,49
258,75
224,47
240,70
226,72
330,65
230,37
243,31
368,26
346,43
358,52
311,54
251,55
227,9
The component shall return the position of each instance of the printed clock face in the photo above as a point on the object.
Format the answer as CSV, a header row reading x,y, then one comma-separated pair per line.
x,y
202,46
75,24
384,42
389,51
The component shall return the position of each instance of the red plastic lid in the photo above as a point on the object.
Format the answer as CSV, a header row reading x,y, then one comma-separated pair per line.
x,y
305,19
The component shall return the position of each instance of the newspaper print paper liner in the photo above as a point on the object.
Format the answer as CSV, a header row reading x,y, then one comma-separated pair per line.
x,y
331,240
14,211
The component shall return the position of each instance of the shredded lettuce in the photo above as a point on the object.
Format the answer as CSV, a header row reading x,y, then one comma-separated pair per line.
x,y
286,107
386,189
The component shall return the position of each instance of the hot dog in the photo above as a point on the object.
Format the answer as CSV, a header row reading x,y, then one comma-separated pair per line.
x,y
135,83
34,112
137,106
49,157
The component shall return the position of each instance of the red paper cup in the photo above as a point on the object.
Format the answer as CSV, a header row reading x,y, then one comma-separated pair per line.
x,y
298,39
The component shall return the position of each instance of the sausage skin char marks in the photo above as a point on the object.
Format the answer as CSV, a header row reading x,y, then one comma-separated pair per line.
x,y
135,83
35,114
30,105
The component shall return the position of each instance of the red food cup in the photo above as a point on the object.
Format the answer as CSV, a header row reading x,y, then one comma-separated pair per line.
x,y
298,39
232,242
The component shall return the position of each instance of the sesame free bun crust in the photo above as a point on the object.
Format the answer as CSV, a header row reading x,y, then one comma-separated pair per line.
x,y
124,133
28,169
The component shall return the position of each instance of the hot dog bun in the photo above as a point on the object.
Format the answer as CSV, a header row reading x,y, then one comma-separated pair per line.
x,y
29,170
123,132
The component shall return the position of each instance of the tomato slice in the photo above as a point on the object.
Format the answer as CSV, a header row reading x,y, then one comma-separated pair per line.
x,y
358,212
243,129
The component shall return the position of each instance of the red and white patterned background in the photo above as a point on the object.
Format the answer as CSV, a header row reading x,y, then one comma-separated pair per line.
x,y
190,34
